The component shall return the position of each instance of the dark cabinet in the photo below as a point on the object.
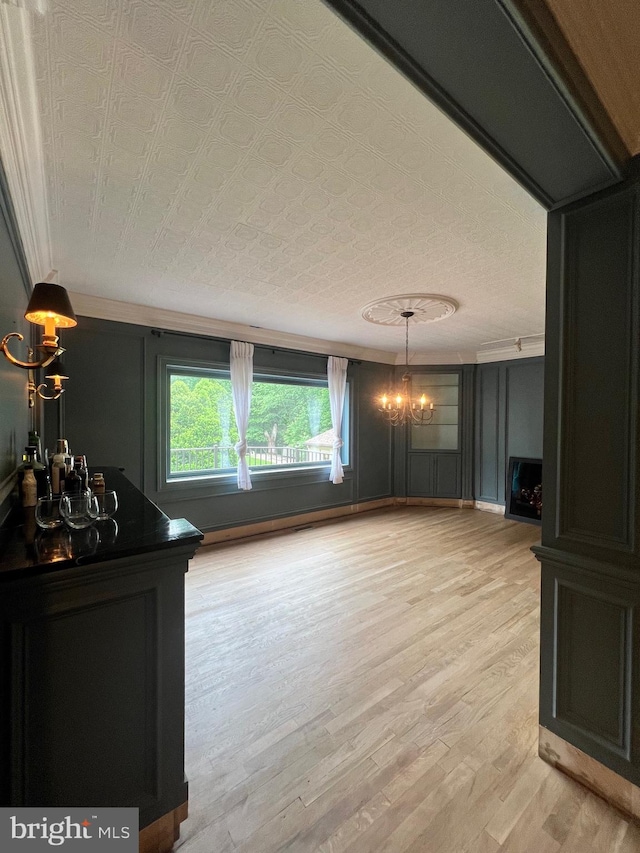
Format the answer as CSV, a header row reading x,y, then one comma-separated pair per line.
x,y
435,475
434,456
92,667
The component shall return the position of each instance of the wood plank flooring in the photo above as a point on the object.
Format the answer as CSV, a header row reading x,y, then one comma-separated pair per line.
x,y
370,686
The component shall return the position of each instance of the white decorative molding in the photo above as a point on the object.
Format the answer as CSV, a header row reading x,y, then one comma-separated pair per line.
x,y
20,138
143,315
417,359
426,308
506,350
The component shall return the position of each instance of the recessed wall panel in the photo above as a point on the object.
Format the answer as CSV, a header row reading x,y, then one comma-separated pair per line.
x,y
597,429
591,683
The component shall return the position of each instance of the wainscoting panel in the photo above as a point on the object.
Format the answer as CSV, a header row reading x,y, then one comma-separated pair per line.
x,y
92,686
487,446
420,474
589,691
446,475
592,689
589,636
601,392
79,711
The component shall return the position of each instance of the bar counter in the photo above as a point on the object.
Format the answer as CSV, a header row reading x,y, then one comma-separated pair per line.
x,y
137,527
92,663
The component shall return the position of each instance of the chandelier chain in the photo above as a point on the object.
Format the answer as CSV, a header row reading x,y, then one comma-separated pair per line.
x,y
399,407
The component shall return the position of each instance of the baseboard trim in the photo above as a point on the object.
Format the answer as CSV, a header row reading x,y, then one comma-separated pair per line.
x,y
276,525
452,503
215,537
487,506
162,834
617,791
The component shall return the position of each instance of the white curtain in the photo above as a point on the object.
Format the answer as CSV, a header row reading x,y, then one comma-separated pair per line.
x,y
337,381
241,364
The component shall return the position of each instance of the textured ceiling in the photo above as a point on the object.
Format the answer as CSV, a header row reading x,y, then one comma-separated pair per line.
x,y
257,162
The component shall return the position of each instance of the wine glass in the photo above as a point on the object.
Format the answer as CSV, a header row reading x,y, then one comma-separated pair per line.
x,y
104,505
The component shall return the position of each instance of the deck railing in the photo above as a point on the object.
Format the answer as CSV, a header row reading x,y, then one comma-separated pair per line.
x,y
218,456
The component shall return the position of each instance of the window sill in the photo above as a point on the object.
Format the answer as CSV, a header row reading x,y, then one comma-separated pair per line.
x,y
218,484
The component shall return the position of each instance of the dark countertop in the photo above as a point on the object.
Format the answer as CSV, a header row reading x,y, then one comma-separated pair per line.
x,y
137,527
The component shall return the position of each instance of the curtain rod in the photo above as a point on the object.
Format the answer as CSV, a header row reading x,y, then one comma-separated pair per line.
x,y
158,333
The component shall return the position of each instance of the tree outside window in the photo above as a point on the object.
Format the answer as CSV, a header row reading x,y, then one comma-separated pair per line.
x,y
289,425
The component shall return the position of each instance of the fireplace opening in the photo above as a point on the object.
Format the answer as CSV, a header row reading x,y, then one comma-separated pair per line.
x,y
524,490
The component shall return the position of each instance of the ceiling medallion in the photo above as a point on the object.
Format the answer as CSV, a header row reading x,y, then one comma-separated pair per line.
x,y
425,308
399,407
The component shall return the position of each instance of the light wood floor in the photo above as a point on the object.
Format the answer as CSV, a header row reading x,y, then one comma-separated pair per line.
x,y
371,685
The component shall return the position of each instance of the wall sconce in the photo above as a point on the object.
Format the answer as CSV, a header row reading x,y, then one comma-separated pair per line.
x,y
50,307
56,372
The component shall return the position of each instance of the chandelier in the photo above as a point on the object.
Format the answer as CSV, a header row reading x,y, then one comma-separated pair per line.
x,y
400,407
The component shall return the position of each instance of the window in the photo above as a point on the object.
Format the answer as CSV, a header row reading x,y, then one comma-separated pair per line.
x,y
443,389
289,424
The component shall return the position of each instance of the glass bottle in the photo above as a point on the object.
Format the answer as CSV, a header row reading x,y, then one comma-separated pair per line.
x,y
98,484
80,464
40,473
73,483
34,441
58,467
29,495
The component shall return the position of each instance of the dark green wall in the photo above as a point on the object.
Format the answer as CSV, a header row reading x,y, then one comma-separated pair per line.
x,y
590,553
508,421
14,289
112,410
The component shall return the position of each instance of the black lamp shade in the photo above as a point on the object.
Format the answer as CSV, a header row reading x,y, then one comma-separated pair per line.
x,y
50,301
55,369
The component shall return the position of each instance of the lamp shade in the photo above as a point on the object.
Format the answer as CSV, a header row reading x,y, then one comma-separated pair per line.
x,y
50,302
56,370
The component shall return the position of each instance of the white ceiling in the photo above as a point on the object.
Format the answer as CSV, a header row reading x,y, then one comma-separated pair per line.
x,y
255,161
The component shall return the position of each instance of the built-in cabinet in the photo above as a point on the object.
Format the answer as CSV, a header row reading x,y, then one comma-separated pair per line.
x,y
435,475
434,450
92,663
443,391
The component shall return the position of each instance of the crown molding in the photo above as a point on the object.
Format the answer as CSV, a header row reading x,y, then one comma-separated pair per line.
x,y
438,357
508,352
100,308
21,139
144,315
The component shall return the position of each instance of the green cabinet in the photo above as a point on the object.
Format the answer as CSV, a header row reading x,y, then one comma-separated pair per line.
x,y
434,453
434,475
